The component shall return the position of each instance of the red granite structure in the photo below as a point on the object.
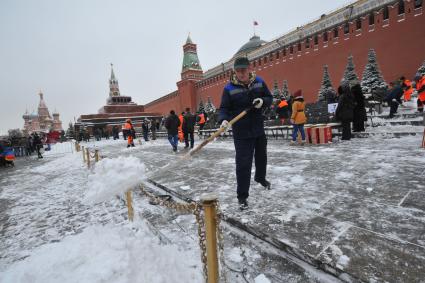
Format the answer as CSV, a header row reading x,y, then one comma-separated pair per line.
x,y
118,108
394,29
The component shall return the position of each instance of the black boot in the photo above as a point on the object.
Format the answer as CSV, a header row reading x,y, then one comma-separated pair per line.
x,y
243,204
266,184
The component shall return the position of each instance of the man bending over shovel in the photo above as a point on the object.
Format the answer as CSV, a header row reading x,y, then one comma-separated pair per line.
x,y
246,91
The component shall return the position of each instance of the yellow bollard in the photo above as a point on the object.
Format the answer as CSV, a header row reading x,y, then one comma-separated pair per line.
x,y
76,147
129,205
88,157
96,155
84,154
209,204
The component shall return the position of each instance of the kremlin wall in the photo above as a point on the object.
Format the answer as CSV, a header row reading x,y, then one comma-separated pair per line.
x,y
394,29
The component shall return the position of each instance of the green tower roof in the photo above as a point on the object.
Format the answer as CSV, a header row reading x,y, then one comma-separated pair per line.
x,y
191,61
190,58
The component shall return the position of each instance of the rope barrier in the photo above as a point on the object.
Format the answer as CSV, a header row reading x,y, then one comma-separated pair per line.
x,y
196,208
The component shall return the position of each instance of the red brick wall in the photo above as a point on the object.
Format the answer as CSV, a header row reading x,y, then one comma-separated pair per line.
x,y
399,44
164,106
187,94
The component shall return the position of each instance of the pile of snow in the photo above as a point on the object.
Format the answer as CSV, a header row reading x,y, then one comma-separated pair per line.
x,y
113,177
107,254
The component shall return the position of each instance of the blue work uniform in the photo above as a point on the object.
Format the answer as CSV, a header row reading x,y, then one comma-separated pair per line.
x,y
248,133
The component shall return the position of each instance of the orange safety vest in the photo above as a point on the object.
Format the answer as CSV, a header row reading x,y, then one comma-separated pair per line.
x,y
127,126
181,122
419,85
408,92
180,133
282,104
201,119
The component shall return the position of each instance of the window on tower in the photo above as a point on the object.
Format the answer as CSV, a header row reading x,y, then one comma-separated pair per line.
x,y
307,43
299,46
358,23
325,36
336,32
372,18
401,7
316,39
386,13
284,51
418,4
346,28
291,49
277,54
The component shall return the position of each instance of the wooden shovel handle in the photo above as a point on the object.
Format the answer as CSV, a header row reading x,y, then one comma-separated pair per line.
x,y
218,132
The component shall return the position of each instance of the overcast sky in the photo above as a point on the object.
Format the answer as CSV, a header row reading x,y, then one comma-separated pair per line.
x,y
64,47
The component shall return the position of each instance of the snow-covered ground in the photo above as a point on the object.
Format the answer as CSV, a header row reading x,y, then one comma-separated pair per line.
x,y
356,206
51,231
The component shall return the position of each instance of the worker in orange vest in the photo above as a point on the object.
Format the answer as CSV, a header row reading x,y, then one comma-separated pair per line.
x,y
283,110
181,135
407,87
420,88
201,120
131,133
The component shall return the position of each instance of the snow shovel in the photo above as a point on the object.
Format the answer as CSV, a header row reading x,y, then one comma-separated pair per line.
x,y
219,131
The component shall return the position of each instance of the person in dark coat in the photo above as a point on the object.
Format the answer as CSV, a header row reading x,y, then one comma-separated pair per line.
x,y
153,129
345,110
283,110
145,129
38,144
359,116
189,121
246,90
172,124
393,98
115,132
29,146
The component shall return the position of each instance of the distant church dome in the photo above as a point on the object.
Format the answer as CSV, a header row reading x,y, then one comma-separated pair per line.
x,y
253,43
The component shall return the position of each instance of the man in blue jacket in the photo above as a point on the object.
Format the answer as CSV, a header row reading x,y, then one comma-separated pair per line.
x,y
246,90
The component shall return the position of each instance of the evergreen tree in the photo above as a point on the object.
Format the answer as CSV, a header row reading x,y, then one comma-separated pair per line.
x,y
373,84
421,70
276,92
70,132
326,92
350,74
285,91
201,107
209,107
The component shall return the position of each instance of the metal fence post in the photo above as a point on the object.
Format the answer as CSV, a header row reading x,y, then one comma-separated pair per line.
x,y
209,204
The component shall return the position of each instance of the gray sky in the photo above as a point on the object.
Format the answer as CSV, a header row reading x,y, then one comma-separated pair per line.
x,y
64,47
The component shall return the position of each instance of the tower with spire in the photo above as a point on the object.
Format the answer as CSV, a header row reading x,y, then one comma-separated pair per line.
x,y
115,96
190,74
114,89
